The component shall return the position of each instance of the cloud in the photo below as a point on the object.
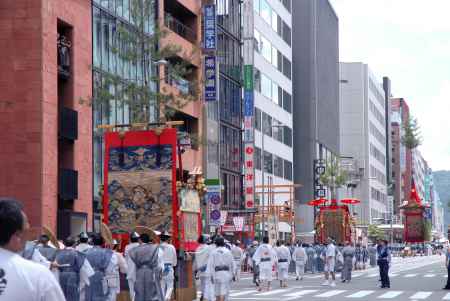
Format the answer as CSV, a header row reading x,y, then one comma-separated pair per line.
x,y
407,41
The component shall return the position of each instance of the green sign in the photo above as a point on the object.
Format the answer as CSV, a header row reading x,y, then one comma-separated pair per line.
x,y
248,77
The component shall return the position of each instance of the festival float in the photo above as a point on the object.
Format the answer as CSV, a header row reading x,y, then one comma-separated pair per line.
x,y
334,220
142,194
417,219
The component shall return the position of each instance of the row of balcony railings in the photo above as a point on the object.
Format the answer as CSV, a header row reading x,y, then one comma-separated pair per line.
x,y
178,27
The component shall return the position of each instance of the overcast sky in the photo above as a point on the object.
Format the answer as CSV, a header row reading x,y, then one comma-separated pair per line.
x,y
408,41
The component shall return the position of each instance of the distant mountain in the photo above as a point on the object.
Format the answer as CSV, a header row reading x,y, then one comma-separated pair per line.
x,y
442,182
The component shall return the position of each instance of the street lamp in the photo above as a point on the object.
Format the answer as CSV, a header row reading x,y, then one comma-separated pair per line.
x,y
262,172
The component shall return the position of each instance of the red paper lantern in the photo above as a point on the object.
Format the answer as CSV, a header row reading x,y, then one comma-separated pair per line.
x,y
317,202
350,201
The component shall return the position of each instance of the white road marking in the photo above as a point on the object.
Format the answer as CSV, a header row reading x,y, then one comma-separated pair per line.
x,y
294,296
274,292
243,293
429,275
390,295
373,275
410,275
330,293
420,295
393,275
446,297
360,294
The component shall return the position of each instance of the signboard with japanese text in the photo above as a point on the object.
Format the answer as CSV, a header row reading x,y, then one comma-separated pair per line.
x,y
209,27
213,201
210,78
249,176
249,137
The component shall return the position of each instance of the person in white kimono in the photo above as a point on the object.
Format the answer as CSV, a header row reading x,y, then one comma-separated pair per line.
x,y
121,267
134,242
220,268
31,252
103,284
83,245
169,255
300,258
284,259
202,254
21,279
73,272
265,258
238,257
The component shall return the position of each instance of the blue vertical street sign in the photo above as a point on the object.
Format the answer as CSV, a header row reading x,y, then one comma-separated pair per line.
x,y
209,27
210,78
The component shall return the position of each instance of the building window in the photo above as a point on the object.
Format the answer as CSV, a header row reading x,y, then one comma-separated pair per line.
x,y
257,158
287,67
257,119
268,162
267,124
277,130
287,102
266,11
288,170
266,86
277,166
287,136
286,33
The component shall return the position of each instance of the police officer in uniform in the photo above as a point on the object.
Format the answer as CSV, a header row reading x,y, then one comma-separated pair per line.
x,y
384,258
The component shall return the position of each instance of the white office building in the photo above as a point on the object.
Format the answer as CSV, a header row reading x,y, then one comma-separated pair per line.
x,y
273,98
363,122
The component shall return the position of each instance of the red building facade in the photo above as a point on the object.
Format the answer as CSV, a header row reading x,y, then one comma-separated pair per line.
x,y
401,156
46,154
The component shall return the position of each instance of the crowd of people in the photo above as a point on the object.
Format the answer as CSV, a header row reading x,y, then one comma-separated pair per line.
x,y
83,268
88,269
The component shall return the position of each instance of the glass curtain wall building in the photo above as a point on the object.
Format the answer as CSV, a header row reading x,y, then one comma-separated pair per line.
x,y
230,105
108,16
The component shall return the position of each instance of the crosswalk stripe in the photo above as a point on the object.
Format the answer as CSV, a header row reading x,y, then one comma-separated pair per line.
x,y
330,293
420,295
242,293
393,275
294,296
446,297
274,292
373,275
410,275
360,294
429,275
390,295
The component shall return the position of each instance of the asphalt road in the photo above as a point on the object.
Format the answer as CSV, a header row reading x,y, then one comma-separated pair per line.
x,y
418,278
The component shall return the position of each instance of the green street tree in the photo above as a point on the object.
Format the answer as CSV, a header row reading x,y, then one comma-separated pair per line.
x,y
412,137
374,232
334,176
142,50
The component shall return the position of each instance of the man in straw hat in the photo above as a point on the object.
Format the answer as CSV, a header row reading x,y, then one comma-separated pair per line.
x,y
74,271
103,285
144,270
169,257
